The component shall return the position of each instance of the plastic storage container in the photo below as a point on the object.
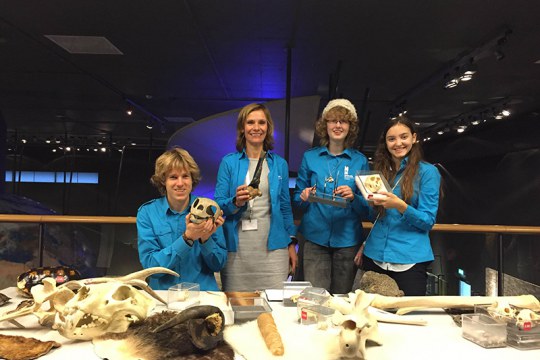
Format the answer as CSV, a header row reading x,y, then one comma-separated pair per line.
x,y
523,335
183,295
317,314
312,296
246,308
292,289
483,330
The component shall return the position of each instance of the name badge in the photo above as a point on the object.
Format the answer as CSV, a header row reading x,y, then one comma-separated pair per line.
x,y
248,225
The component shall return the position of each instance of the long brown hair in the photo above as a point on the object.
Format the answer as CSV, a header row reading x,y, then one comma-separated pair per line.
x,y
241,124
385,164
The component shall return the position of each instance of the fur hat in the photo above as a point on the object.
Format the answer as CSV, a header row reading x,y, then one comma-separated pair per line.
x,y
340,102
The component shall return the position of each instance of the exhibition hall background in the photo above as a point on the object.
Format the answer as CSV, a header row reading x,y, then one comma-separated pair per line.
x,y
490,177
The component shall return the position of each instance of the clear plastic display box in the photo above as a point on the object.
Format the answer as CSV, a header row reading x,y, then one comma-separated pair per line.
x,y
311,296
523,335
291,290
183,295
483,330
317,314
370,183
248,308
522,325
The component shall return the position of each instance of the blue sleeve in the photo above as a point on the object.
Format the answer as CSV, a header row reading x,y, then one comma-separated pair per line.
x,y
223,194
285,200
359,204
214,251
151,252
302,182
424,215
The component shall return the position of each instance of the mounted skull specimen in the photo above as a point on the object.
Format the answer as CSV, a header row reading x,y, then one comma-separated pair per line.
x,y
101,305
203,209
102,308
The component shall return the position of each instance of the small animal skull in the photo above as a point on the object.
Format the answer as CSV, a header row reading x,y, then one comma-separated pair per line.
x,y
203,209
102,308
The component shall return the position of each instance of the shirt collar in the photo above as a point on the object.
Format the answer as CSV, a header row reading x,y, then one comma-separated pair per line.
x,y
269,154
324,151
165,208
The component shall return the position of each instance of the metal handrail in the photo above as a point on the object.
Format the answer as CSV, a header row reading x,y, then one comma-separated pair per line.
x,y
460,228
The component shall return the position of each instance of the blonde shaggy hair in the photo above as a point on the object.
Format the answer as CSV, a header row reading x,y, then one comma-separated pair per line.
x,y
175,158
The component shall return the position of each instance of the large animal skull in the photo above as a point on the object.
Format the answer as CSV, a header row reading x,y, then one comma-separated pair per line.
x,y
203,209
102,308
107,304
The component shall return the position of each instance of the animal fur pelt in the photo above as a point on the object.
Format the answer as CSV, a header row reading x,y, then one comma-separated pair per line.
x,y
300,341
139,342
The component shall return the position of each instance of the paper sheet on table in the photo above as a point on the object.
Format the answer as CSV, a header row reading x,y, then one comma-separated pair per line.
x,y
274,294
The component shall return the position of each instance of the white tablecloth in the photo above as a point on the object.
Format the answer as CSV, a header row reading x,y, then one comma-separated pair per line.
x,y
440,339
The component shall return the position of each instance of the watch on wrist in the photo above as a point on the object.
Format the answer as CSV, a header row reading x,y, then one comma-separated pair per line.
x,y
187,240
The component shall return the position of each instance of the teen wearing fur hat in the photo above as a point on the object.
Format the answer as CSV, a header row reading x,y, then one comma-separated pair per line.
x,y
332,234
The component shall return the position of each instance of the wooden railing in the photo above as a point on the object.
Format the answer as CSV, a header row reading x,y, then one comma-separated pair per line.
x,y
500,230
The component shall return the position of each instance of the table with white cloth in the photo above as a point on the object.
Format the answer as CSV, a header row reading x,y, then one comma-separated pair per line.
x,y
440,338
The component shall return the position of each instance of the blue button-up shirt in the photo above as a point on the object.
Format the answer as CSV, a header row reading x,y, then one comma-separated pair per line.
x,y
159,231
404,238
323,224
231,174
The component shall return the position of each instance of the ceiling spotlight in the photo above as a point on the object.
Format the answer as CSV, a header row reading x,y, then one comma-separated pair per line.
x,y
53,150
460,129
475,122
499,116
129,111
23,141
68,148
48,141
452,83
103,149
505,112
57,141
133,143
467,75
149,126
440,132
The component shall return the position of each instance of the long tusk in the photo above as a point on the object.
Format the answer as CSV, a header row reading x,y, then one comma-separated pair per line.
x,y
423,302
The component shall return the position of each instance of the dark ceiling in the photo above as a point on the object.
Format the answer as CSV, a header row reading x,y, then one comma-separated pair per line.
x,y
182,61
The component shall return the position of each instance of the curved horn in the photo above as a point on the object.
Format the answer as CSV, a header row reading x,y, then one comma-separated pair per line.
x,y
196,312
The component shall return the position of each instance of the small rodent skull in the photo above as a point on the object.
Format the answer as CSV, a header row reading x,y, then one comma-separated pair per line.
x,y
203,209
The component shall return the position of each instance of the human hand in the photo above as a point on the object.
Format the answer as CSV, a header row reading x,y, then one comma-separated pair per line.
x,y
199,231
358,256
293,257
345,191
242,196
306,192
220,220
391,201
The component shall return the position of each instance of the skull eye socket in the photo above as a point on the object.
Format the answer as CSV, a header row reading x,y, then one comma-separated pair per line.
x,y
196,203
122,293
210,211
83,293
